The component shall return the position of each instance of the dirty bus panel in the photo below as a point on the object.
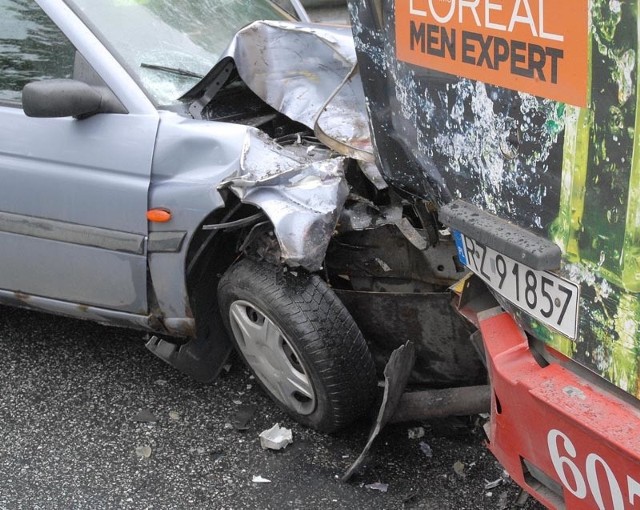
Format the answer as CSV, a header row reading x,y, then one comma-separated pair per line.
x,y
526,111
524,149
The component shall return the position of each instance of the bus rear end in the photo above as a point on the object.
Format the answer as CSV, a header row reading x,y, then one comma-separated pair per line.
x,y
519,120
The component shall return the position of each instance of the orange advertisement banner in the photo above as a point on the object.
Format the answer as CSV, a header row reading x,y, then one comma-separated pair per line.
x,y
535,46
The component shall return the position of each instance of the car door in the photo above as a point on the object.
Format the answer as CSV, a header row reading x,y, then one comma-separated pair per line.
x,y
73,193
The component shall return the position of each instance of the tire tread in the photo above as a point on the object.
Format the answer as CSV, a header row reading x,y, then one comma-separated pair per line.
x,y
323,329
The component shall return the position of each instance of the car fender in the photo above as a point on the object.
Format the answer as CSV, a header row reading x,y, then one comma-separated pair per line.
x,y
191,158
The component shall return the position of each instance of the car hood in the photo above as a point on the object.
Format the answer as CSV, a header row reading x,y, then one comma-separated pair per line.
x,y
310,74
307,72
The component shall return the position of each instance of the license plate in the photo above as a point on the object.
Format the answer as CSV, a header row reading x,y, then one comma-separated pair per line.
x,y
551,300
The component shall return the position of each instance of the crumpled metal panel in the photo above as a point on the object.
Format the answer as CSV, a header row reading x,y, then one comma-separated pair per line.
x,y
310,74
302,197
307,72
396,376
295,68
341,124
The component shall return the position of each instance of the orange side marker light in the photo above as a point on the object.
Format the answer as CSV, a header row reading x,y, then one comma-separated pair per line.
x,y
159,215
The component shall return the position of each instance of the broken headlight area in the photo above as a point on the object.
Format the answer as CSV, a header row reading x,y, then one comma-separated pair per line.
x,y
300,190
392,266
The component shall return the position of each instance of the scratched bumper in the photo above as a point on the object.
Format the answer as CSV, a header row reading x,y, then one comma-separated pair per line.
x,y
567,440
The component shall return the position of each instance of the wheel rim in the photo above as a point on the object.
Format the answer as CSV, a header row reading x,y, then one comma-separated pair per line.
x,y
272,357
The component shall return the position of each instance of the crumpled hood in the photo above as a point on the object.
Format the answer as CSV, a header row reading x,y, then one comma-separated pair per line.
x,y
308,73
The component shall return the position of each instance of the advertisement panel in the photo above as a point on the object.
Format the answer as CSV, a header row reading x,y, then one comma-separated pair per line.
x,y
525,45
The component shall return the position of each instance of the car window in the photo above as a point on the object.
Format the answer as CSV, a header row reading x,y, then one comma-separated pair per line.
x,y
168,45
31,48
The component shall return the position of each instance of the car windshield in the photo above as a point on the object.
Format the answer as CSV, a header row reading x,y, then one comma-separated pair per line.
x,y
168,45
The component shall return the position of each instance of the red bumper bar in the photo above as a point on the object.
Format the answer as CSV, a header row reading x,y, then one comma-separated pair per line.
x,y
567,441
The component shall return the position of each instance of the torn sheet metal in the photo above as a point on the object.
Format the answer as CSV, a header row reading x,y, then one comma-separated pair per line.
x,y
340,124
373,174
302,197
364,215
306,72
396,375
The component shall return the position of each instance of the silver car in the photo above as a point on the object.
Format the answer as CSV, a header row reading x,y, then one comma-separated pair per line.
x,y
182,168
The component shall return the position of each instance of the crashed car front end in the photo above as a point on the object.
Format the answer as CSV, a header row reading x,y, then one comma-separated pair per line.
x,y
306,195
298,102
312,197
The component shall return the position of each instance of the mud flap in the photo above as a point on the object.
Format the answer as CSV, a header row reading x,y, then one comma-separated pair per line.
x,y
199,358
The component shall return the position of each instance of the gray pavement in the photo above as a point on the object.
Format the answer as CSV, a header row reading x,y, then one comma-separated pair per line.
x,y
67,440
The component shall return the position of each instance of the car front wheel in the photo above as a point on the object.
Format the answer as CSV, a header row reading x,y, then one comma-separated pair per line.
x,y
300,342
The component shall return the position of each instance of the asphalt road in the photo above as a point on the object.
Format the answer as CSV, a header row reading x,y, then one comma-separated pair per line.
x,y
71,390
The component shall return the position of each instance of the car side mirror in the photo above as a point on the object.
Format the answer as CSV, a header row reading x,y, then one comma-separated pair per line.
x,y
67,98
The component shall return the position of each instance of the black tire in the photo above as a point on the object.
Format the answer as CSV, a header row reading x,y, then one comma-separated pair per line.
x,y
328,347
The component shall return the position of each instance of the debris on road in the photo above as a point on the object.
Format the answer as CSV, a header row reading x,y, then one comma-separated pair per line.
x,y
378,486
426,449
409,498
145,416
260,479
458,468
415,432
276,438
216,455
174,415
143,452
492,485
522,499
